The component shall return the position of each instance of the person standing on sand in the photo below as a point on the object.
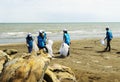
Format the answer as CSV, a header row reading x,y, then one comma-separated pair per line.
x,y
29,41
41,40
109,37
66,39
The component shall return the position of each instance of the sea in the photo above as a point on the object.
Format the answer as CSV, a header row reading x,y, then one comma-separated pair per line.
x,y
17,32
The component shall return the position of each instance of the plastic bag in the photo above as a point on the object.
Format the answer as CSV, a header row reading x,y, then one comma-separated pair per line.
x,y
49,47
35,47
103,42
64,49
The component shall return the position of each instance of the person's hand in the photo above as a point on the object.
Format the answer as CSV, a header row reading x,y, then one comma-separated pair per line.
x,y
27,45
104,38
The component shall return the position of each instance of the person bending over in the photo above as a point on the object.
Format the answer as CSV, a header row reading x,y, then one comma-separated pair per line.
x,y
66,39
29,41
41,41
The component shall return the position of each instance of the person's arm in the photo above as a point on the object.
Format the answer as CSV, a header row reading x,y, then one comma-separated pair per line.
x,y
32,38
105,38
27,42
106,35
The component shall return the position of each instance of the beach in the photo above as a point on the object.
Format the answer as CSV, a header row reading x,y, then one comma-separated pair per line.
x,y
87,59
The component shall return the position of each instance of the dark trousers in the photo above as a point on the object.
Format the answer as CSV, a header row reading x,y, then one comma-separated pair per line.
x,y
68,51
29,49
44,48
108,47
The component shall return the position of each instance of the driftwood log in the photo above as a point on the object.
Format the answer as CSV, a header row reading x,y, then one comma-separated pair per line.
x,y
32,68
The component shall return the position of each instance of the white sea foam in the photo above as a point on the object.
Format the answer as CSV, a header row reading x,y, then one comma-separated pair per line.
x,y
12,34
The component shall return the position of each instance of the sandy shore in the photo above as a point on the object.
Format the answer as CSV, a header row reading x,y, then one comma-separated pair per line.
x,y
87,59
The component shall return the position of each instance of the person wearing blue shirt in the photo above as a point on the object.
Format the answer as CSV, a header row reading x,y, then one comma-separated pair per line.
x,y
41,41
66,39
108,37
29,41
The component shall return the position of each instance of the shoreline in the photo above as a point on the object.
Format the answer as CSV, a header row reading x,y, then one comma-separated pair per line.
x,y
80,37
10,44
19,43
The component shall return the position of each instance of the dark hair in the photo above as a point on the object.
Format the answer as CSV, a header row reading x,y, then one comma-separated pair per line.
x,y
107,28
65,31
41,34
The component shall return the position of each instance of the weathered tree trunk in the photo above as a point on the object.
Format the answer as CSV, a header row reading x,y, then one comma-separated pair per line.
x,y
33,68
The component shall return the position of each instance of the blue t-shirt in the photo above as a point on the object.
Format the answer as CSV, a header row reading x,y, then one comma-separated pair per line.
x,y
41,42
109,35
29,41
66,38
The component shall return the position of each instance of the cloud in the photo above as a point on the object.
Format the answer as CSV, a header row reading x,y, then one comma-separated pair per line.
x,y
59,10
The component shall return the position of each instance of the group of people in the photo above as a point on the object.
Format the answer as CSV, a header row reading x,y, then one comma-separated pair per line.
x,y
42,40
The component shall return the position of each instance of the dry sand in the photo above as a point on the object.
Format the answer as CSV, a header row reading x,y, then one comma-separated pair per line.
x,y
86,59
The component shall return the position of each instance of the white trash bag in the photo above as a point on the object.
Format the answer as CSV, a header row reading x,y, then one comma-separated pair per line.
x,y
49,47
64,49
35,47
103,42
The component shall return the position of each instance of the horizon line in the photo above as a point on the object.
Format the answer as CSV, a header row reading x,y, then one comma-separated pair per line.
x,y
57,22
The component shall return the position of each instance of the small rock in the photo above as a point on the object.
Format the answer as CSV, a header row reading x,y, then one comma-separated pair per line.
x,y
10,51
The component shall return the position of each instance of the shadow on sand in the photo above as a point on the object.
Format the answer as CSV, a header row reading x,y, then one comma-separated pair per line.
x,y
88,47
58,56
103,51
117,52
61,57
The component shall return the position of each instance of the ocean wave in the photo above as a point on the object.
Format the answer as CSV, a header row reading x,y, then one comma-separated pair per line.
x,y
86,32
18,34
72,32
78,31
12,34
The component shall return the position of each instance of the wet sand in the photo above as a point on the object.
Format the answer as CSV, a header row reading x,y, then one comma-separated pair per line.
x,y
86,59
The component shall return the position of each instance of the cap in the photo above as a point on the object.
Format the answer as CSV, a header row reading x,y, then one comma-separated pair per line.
x,y
29,34
64,30
40,31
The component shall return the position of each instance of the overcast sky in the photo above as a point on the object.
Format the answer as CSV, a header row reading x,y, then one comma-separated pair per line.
x,y
59,11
